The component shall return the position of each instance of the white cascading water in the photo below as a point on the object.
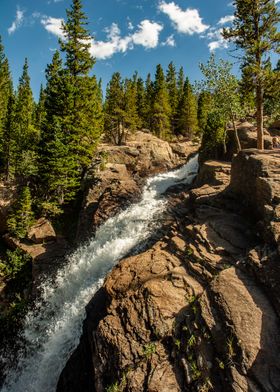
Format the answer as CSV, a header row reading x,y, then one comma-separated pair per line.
x,y
52,330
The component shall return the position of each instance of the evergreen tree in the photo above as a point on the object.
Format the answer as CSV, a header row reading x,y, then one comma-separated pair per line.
x,y
131,119
86,121
77,41
141,104
247,93
272,94
187,112
161,107
254,30
27,136
59,172
171,84
114,110
40,112
5,91
149,97
9,140
203,109
21,218
180,83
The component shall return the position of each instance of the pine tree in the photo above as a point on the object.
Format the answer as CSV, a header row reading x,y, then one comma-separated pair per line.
x,y
27,136
21,218
141,104
114,110
204,106
77,41
9,140
149,97
59,174
81,90
5,91
272,94
187,112
180,83
171,84
40,112
131,119
161,107
247,93
254,30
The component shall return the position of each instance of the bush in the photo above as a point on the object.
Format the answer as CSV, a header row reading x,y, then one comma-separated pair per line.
x,y
15,263
213,139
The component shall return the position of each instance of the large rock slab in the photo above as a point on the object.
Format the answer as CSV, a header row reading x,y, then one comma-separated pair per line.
x,y
255,180
42,231
245,330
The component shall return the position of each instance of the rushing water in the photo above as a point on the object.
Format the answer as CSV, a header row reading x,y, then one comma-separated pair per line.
x,y
52,330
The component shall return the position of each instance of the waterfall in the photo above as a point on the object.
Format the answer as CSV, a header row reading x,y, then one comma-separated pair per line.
x,y
53,328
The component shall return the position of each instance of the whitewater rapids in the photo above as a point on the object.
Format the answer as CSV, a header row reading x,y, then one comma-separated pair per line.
x,y
53,328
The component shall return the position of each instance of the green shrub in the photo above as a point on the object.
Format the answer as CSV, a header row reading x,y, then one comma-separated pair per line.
x,y
15,263
213,137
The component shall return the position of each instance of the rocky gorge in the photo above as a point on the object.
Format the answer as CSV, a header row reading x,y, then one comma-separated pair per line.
x,y
114,181
198,309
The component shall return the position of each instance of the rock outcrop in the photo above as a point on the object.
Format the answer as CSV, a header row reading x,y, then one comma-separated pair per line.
x,y
46,249
199,309
247,133
118,175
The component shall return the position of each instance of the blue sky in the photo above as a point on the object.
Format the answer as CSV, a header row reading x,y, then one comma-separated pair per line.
x,y
128,34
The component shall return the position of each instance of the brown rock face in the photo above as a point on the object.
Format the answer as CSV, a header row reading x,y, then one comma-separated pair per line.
x,y
117,180
42,231
114,189
256,178
247,133
199,309
236,310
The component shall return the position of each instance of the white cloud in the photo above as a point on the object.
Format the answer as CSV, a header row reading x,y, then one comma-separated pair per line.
x,y
187,22
53,25
214,34
170,41
17,22
218,42
147,36
214,45
226,19
106,49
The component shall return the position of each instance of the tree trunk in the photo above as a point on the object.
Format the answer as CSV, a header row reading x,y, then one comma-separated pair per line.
x,y
238,144
259,104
